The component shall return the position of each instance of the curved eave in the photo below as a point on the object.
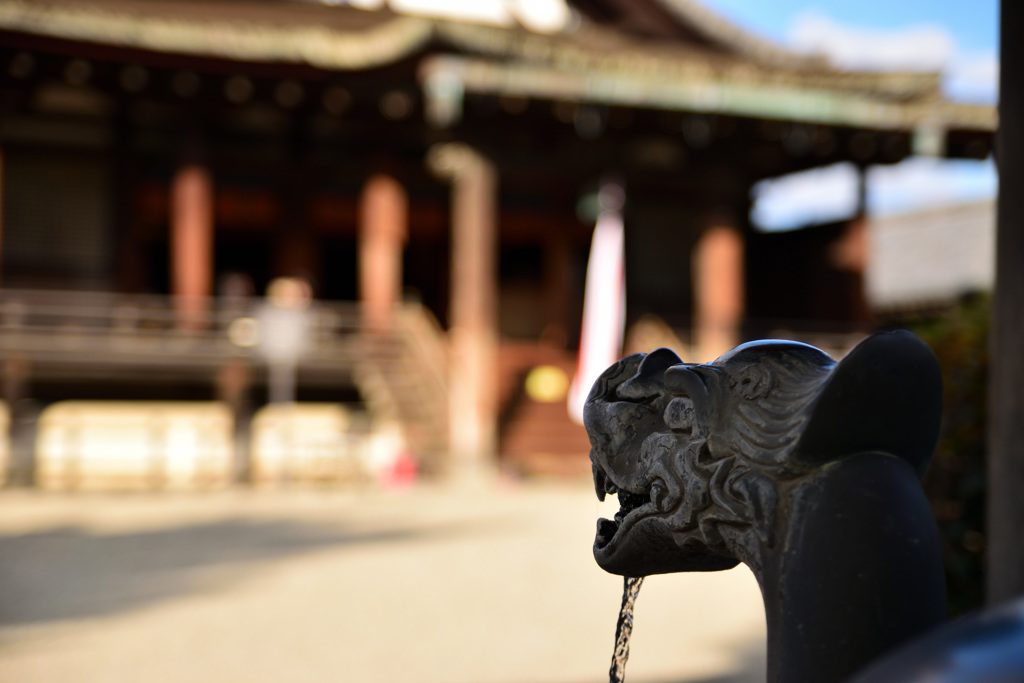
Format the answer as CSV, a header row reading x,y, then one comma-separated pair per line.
x,y
314,44
445,78
336,38
594,65
596,48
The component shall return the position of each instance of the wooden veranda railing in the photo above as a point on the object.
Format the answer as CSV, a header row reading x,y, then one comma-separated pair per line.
x,y
109,337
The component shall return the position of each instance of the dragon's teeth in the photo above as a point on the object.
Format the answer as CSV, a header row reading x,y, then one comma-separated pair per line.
x,y
599,482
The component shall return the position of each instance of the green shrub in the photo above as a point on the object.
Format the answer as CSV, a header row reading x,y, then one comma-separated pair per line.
x,y
955,483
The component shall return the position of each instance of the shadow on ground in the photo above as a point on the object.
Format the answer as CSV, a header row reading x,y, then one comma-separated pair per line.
x,y
72,573
750,669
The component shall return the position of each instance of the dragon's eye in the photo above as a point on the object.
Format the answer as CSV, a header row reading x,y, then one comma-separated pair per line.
x,y
752,383
679,414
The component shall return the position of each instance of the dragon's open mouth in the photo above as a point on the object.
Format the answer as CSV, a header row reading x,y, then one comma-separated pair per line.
x,y
632,506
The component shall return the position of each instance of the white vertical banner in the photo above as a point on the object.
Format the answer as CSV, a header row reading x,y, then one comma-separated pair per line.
x,y
604,299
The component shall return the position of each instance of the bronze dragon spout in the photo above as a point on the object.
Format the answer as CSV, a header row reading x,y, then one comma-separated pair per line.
x,y
803,468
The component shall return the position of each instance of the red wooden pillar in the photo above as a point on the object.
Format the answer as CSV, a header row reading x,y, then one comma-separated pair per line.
x,y
383,230
192,244
473,319
718,286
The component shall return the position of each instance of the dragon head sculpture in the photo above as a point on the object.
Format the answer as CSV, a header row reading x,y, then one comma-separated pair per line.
x,y
704,457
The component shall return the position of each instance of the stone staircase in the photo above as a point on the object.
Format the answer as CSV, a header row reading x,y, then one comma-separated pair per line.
x,y
536,436
402,375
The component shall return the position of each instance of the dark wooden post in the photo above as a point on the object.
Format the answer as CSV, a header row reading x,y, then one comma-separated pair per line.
x,y
1006,382
234,386
22,415
557,286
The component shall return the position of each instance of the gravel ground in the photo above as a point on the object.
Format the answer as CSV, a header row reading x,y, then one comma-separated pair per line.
x,y
492,584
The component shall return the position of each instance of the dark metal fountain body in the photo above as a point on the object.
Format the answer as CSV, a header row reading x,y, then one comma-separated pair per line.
x,y
805,469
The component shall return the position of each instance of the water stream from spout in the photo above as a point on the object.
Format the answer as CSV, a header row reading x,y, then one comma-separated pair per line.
x,y
624,629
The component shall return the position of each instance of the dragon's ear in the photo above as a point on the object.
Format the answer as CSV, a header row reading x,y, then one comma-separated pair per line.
x,y
885,395
646,383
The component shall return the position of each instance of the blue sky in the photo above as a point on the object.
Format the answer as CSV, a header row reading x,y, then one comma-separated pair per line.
x,y
957,37
973,23
952,35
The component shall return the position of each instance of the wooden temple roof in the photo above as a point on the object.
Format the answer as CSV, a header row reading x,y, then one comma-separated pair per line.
x,y
614,53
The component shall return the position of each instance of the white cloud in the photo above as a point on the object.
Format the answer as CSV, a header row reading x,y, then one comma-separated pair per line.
x,y
971,76
821,195
924,47
974,77
920,183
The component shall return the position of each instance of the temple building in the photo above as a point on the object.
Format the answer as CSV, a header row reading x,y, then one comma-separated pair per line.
x,y
432,180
